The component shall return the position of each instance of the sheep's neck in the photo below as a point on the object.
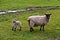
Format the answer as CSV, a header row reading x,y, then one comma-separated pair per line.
x,y
47,19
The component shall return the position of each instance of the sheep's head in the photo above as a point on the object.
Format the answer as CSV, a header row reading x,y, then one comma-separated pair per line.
x,y
48,16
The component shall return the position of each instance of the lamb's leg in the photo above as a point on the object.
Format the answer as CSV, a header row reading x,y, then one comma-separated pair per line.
x,y
20,28
15,27
12,28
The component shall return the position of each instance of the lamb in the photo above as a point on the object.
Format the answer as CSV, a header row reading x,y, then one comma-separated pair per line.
x,y
15,24
38,21
57,38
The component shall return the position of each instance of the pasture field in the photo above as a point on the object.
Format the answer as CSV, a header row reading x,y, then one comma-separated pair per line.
x,y
52,29
18,4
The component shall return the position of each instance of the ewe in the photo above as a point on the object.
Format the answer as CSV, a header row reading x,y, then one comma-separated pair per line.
x,y
38,21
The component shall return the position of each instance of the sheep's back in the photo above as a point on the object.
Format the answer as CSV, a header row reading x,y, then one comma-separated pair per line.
x,y
38,19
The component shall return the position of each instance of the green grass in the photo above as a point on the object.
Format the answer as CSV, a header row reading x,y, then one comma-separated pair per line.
x,y
52,30
18,4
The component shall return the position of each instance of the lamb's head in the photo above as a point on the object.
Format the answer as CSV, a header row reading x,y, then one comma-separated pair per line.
x,y
14,21
48,16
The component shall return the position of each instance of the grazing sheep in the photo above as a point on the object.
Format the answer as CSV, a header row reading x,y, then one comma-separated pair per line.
x,y
15,24
38,21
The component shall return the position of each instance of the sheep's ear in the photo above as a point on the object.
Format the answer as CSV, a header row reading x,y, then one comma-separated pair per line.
x,y
45,14
50,14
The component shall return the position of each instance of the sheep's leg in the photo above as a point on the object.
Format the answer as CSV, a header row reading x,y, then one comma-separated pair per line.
x,y
31,24
31,29
40,28
43,27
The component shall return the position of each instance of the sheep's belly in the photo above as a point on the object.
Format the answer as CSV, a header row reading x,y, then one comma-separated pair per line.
x,y
40,23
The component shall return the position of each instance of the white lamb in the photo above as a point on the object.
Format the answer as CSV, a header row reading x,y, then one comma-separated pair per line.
x,y
15,24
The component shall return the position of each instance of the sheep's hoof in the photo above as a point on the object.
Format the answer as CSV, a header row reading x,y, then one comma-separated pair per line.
x,y
30,30
40,29
12,29
43,30
20,30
